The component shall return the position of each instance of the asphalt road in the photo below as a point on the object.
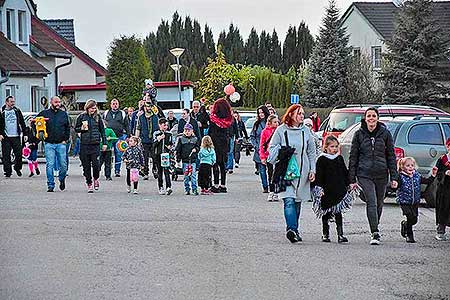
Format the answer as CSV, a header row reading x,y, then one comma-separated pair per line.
x,y
114,245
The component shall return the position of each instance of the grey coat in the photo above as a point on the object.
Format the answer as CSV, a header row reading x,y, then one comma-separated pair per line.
x,y
305,153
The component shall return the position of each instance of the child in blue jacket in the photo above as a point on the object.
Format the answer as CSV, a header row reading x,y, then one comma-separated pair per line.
x,y
408,194
207,157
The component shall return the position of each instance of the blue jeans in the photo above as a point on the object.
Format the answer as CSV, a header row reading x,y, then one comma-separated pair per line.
x,y
55,152
190,178
263,174
292,213
57,165
230,162
118,154
76,147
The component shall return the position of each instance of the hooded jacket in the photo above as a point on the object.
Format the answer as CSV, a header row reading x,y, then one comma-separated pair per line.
x,y
372,154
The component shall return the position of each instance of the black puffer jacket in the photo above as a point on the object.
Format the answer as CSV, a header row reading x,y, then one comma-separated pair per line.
x,y
372,154
95,132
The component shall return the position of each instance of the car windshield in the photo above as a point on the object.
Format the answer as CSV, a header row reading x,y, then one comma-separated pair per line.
x,y
249,123
340,121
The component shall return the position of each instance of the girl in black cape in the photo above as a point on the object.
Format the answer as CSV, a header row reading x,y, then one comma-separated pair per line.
x,y
443,194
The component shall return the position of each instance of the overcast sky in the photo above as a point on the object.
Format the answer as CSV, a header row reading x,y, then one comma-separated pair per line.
x,y
98,22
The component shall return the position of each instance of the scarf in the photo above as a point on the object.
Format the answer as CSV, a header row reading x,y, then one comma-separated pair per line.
x,y
222,123
330,156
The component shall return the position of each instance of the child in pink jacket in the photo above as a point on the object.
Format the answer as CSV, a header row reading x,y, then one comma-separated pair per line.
x,y
266,136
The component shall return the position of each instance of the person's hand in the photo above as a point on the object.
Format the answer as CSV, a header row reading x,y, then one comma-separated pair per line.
x,y
25,139
199,124
434,171
64,142
194,150
160,137
394,184
104,147
353,186
322,193
1,137
264,161
312,176
447,172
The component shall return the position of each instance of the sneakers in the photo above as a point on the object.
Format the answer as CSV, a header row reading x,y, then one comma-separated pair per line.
x,y
204,192
326,239
293,236
169,191
195,193
230,172
270,197
410,238
31,174
275,198
96,184
37,171
128,188
342,239
375,239
214,189
108,179
62,184
222,189
236,166
117,175
90,188
135,191
265,190
50,190
403,228
187,192
440,237
145,177
162,191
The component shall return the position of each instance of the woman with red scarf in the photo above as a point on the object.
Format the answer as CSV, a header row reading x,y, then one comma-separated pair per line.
x,y
221,119
443,194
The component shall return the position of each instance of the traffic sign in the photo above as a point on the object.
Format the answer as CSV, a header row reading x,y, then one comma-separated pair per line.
x,y
295,99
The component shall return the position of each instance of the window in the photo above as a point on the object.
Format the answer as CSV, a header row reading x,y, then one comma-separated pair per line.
x,y
22,18
446,130
10,90
376,57
10,25
427,134
356,52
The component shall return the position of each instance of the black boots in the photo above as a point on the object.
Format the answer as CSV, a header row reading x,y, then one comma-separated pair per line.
x,y
340,232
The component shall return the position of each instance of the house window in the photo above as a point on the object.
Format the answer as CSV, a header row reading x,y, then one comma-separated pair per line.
x,y
376,57
10,90
10,25
22,18
356,52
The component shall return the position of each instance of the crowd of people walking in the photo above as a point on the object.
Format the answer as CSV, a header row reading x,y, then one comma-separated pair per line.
x,y
289,158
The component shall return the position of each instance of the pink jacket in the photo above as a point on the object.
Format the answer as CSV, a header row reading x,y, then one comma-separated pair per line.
x,y
266,134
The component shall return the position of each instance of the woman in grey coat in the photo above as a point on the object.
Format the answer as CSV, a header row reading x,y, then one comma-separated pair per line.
x,y
298,190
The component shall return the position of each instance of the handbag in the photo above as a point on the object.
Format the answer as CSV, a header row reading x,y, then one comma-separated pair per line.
x,y
134,175
293,170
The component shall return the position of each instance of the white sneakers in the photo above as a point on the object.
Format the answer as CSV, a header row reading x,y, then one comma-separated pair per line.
x,y
270,197
375,238
162,191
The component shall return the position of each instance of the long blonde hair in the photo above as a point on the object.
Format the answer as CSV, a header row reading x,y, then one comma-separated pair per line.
x,y
207,142
402,162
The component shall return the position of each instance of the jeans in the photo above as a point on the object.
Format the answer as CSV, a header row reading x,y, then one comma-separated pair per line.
x,y
57,165
230,161
292,213
76,147
118,154
263,175
374,191
11,144
190,178
52,153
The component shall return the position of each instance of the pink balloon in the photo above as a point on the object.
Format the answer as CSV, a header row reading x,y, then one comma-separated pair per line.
x,y
229,89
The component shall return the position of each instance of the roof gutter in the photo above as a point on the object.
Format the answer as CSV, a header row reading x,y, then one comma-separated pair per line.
x,y
56,73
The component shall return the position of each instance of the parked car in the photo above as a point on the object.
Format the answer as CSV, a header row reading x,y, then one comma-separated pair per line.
x,y
420,137
245,115
343,117
176,112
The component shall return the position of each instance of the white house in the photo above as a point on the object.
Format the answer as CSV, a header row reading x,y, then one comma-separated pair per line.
x,y
36,62
370,24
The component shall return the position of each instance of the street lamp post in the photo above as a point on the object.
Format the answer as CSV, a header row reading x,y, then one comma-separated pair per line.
x,y
177,52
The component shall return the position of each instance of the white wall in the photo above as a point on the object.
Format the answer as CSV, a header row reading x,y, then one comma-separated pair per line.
x,y
17,5
362,34
77,73
49,81
22,90
97,95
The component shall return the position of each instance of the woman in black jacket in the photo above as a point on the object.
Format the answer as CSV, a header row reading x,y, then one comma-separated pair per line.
x,y
372,161
241,135
90,126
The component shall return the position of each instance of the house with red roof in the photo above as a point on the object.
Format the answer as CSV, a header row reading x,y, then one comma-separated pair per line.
x,y
37,62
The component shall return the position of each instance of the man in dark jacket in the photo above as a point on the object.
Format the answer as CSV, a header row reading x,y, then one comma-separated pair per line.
x,y
12,125
58,130
147,124
187,119
200,114
118,122
171,120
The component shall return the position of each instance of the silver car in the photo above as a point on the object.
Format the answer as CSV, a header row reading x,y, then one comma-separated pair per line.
x,y
420,137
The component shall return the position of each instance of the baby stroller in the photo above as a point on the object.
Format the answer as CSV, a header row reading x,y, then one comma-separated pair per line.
x,y
175,169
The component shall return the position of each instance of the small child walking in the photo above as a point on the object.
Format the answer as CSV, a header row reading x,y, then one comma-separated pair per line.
x,y
106,156
443,194
162,142
266,136
187,149
331,196
207,157
134,160
32,143
408,194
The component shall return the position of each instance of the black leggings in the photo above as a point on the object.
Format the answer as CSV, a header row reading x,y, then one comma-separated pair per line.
x,y
135,184
326,226
220,164
161,171
89,159
204,176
